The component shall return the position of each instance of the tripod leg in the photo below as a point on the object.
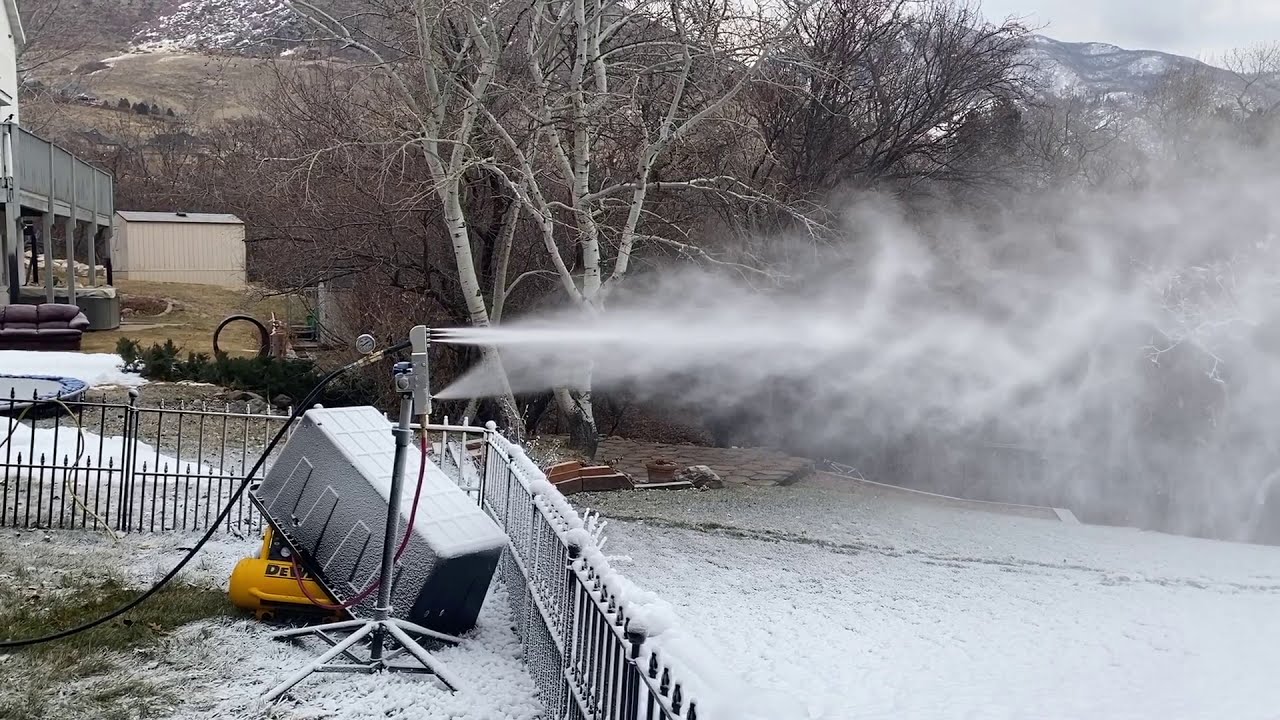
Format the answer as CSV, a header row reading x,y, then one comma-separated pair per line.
x,y
422,655
309,629
415,628
355,637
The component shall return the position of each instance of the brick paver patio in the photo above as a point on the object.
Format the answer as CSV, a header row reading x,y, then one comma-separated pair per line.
x,y
744,466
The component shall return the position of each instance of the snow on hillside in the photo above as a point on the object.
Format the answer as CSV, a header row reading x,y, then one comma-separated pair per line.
x,y
1094,68
1099,69
220,25
1060,68
1098,49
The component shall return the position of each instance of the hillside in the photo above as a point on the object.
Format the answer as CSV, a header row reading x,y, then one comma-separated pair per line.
x,y
190,59
1099,69
204,59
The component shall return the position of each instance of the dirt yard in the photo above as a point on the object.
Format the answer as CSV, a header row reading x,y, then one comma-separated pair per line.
x,y
187,314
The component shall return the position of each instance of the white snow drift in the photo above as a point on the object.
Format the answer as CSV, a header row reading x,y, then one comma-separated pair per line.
x,y
93,368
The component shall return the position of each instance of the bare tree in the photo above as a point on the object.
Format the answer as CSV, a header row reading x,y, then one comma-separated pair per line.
x,y
1179,112
1257,73
318,173
424,56
54,33
1074,139
870,92
576,108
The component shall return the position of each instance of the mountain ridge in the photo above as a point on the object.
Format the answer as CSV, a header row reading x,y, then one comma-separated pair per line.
x,y
1059,67
1109,71
164,52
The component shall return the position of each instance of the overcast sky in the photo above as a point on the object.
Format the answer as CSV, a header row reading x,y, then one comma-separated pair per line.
x,y
1197,28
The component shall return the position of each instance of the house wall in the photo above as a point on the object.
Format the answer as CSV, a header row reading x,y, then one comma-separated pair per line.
x,y
195,253
8,62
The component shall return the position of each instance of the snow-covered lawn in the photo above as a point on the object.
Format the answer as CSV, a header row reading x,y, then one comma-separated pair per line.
x,y
861,602
234,663
93,368
223,666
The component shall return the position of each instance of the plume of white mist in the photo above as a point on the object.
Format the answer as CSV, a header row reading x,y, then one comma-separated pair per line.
x,y
1124,333
901,331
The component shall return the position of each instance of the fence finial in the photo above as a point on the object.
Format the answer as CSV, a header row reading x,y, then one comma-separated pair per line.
x,y
636,636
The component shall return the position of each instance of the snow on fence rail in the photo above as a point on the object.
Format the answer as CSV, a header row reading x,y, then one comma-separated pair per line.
x,y
593,643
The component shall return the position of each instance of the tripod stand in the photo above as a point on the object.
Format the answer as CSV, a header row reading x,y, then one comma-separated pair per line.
x,y
382,630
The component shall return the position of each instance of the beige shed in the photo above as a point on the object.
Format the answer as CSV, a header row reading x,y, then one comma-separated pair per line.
x,y
196,248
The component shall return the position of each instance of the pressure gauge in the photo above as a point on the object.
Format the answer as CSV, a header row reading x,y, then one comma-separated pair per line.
x,y
365,344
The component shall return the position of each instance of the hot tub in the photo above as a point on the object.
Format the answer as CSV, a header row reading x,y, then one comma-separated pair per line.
x,y
100,304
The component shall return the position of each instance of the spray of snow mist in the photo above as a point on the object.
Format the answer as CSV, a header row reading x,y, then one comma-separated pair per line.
x,y
1121,346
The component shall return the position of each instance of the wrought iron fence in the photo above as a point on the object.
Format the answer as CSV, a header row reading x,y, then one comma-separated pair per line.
x,y
587,657
97,464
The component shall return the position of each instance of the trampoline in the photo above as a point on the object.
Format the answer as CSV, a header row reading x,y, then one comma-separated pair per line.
x,y
19,392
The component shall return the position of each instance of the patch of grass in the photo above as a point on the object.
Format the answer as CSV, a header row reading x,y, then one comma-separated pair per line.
x,y
91,674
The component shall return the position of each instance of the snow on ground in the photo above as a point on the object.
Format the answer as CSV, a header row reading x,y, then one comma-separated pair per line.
x,y
92,368
183,493
118,58
863,602
63,441
136,558
223,666
236,663
218,24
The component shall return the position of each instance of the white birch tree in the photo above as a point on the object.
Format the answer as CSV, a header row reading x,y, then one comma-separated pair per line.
x,y
577,105
612,90
440,82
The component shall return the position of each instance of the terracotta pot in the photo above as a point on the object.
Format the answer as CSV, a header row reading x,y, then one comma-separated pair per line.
x,y
661,471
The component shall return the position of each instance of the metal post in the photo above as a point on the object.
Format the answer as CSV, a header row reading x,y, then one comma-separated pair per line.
x,y
6,234
631,675
71,234
46,244
46,235
128,459
12,209
403,432
12,250
92,252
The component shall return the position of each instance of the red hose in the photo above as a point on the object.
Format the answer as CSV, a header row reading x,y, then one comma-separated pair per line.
x,y
417,495
404,543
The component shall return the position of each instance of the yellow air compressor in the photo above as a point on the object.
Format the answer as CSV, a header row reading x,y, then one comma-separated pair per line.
x,y
266,586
